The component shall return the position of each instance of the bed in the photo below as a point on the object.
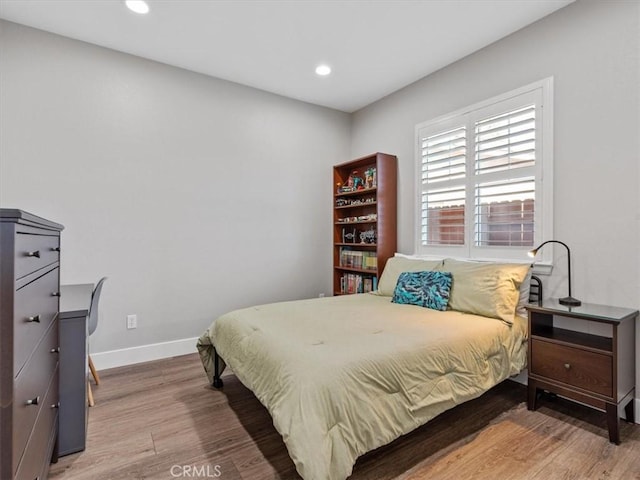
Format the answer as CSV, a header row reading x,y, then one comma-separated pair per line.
x,y
344,375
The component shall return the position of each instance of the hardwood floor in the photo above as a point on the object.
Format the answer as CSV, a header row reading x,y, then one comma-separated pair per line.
x,y
161,420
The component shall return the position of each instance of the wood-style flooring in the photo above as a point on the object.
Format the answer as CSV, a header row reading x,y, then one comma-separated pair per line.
x,y
161,420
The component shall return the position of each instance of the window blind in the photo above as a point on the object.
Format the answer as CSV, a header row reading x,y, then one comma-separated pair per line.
x,y
504,214
506,142
481,192
443,177
505,154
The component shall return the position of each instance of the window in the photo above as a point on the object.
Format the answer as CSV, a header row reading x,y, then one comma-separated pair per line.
x,y
484,177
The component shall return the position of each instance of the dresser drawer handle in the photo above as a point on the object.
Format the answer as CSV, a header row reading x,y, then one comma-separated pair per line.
x,y
55,294
35,253
55,405
55,249
567,366
35,318
33,401
55,350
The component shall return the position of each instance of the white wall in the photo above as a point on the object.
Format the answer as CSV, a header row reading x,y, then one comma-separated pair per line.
x,y
193,195
591,49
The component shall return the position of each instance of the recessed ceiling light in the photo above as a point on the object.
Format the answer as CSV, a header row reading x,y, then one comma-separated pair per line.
x,y
138,6
323,70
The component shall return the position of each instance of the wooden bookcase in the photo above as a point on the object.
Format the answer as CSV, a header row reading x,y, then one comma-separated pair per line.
x,y
365,221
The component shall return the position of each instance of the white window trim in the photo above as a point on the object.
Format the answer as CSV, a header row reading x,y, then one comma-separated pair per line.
x,y
544,181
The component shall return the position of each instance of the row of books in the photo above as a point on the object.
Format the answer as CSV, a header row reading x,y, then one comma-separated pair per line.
x,y
358,259
355,283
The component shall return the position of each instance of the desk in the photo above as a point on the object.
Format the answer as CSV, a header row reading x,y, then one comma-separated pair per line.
x,y
75,299
74,310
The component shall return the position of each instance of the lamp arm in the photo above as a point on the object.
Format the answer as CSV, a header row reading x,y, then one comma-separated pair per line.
x,y
568,301
568,258
553,241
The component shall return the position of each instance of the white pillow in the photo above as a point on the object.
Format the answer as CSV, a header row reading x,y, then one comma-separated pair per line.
x,y
419,257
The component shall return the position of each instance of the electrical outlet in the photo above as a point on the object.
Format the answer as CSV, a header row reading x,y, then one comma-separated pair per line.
x,y
132,322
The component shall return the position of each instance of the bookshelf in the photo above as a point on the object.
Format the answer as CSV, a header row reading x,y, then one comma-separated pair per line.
x,y
364,221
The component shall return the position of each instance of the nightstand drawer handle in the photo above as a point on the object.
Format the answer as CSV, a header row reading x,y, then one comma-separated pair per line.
x,y
35,318
55,294
55,405
35,253
567,366
33,401
55,350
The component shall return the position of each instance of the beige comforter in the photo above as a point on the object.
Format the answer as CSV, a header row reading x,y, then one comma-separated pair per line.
x,y
344,375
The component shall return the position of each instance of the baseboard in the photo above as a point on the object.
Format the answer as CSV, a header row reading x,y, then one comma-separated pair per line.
x,y
143,353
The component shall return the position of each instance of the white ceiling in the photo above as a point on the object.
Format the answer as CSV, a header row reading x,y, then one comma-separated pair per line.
x,y
375,47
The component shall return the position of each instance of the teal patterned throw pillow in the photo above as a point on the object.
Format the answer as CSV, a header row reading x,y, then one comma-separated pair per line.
x,y
425,289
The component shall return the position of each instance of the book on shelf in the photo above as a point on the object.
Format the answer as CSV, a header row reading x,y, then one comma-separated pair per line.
x,y
357,283
361,259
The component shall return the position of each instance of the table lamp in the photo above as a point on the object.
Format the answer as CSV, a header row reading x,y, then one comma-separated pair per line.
x,y
569,300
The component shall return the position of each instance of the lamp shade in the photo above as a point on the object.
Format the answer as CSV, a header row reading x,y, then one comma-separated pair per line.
x,y
568,300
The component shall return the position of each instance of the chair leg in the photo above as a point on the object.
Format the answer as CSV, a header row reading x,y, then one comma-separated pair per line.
x,y
94,371
90,394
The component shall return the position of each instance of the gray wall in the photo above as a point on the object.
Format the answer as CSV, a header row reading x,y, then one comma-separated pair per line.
x,y
193,195
591,50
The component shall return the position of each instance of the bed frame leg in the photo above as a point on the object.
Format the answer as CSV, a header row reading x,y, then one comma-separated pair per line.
x,y
217,381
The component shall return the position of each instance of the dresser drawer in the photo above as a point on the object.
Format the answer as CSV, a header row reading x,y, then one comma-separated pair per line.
x,y
35,308
37,455
590,371
32,383
34,252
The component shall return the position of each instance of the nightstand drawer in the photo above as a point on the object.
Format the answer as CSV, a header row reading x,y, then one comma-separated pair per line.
x,y
590,371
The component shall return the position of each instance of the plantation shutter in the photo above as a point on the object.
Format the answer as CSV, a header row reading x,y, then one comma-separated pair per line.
x,y
479,174
504,171
443,180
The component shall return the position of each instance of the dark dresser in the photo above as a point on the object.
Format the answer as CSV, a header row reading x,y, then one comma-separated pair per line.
x,y
29,346
598,370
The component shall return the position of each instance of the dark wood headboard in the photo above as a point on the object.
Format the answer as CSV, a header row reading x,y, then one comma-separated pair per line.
x,y
535,291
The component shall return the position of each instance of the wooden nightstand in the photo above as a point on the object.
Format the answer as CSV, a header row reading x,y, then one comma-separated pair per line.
x,y
597,369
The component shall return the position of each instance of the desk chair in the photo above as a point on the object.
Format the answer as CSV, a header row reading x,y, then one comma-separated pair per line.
x,y
92,324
